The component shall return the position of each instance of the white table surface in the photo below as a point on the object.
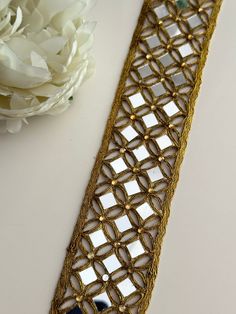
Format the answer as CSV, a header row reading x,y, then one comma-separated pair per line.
x,y
46,167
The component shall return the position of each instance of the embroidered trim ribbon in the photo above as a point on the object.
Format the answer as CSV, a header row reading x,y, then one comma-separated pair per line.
x,y
112,260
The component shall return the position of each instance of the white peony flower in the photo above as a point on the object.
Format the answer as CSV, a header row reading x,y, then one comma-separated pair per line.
x,y
44,57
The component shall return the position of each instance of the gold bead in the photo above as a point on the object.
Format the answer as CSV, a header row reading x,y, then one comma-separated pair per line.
x,y
148,56
117,244
168,46
162,79
174,94
101,218
170,126
178,19
183,64
127,206
113,182
132,117
153,107
150,190
190,36
135,169
90,255
200,10
130,271
161,158
79,298
122,308
146,137
160,22
140,230
122,150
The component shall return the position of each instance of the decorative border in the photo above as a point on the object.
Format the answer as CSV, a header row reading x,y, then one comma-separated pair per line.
x,y
65,274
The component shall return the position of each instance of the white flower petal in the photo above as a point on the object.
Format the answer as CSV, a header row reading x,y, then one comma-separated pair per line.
x,y
45,11
34,21
5,92
54,45
23,47
89,5
15,73
69,30
4,4
69,14
13,125
59,108
44,57
38,61
85,37
5,21
25,121
46,90
90,68
40,37
18,20
74,49
18,102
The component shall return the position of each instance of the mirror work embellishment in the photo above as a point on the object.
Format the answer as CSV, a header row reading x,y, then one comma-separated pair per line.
x,y
112,260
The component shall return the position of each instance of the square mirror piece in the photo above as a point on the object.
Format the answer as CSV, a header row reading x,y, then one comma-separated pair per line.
x,y
158,89
145,211
135,249
118,165
173,30
161,11
102,302
132,187
150,120
108,200
137,100
88,275
145,71
112,263
194,21
178,79
166,60
185,50
170,109
155,174
164,141
153,41
126,287
129,133
98,238
141,153
123,223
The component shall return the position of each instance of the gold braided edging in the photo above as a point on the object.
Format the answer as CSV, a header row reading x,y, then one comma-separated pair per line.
x,y
65,291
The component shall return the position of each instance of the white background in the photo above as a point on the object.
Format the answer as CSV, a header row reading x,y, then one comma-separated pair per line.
x,y
45,169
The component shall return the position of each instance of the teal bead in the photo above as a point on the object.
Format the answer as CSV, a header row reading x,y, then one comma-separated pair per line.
x,y
182,4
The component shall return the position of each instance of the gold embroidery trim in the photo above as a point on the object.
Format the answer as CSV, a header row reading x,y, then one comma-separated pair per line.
x,y
154,169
